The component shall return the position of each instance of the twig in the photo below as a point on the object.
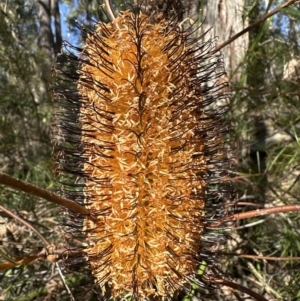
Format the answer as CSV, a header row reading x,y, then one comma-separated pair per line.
x,y
248,204
255,213
266,211
25,223
42,193
261,280
47,253
249,225
24,260
262,19
235,294
239,288
271,258
109,10
64,281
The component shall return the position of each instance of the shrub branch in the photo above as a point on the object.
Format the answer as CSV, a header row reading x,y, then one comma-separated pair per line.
x,y
22,221
256,23
42,193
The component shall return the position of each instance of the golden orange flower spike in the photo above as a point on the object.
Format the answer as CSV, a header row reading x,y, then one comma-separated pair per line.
x,y
144,134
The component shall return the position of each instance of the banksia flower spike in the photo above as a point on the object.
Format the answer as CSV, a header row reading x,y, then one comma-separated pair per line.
x,y
141,128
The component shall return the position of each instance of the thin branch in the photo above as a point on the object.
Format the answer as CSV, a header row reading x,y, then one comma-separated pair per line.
x,y
42,193
64,281
239,287
22,221
266,211
248,204
261,280
255,213
20,261
271,258
249,225
48,253
109,9
262,19
235,294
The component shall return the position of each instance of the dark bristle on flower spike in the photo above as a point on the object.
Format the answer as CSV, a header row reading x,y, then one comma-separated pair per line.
x,y
143,144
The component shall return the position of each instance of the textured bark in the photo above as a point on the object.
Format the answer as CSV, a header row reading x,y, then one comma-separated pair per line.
x,y
46,36
48,40
46,43
225,18
57,21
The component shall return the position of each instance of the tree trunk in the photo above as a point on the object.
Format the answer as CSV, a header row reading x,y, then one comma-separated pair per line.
x,y
45,36
225,18
58,36
50,42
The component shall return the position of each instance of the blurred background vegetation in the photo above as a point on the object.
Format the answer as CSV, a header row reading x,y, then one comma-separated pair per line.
x,y
263,68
